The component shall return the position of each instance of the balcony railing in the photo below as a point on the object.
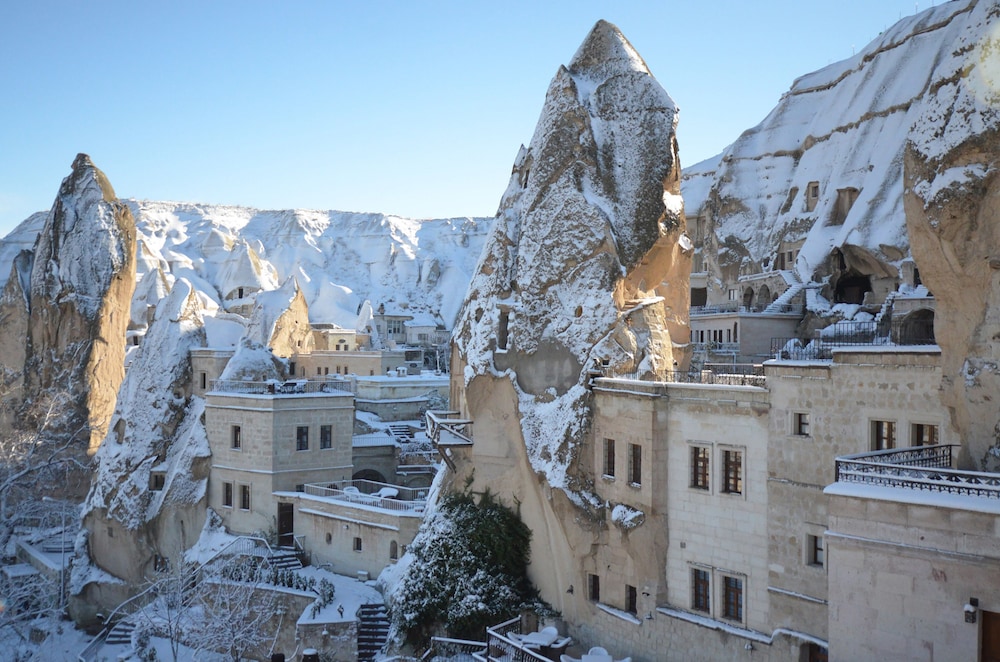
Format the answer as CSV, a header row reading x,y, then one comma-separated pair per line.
x,y
849,334
725,374
920,468
372,493
295,387
736,307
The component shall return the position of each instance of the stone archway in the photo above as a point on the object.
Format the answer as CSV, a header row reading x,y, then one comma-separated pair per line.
x,y
917,328
370,474
763,297
748,298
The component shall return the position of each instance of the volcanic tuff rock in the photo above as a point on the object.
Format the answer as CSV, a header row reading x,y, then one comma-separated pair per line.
x,y
157,430
71,309
953,217
842,128
584,263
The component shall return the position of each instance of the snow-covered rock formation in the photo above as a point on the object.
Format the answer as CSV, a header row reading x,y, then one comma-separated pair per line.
x,y
586,267
952,201
66,303
822,174
147,499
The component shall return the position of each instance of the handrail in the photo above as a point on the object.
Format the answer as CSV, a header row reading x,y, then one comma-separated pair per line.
x,y
274,387
926,468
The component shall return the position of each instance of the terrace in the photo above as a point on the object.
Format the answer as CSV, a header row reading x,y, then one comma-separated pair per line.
x,y
925,468
370,493
292,387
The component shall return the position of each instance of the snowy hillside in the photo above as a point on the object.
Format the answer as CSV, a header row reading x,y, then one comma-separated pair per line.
x,y
339,259
837,133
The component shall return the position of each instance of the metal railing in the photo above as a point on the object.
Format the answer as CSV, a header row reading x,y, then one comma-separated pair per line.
x,y
295,387
738,377
451,648
849,334
502,648
366,492
925,468
736,307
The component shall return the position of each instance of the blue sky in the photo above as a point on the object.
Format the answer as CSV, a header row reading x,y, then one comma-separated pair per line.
x,y
410,108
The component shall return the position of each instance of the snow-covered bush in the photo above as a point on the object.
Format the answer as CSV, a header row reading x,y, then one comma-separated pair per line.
x,y
469,570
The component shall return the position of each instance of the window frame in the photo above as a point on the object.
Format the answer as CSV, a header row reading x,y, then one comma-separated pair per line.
x,y
815,550
228,493
801,424
631,599
917,434
700,476
593,588
733,598
301,437
732,471
701,590
235,438
883,434
609,451
635,465
325,437
245,501
358,544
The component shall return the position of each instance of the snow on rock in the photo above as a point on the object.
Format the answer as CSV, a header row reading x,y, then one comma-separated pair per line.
x,y
253,362
148,492
589,225
280,320
82,278
952,203
843,127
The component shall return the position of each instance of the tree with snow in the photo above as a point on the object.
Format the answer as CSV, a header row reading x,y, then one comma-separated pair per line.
x,y
469,570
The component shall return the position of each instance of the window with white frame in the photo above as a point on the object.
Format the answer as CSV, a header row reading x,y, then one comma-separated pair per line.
x,y
701,590
732,598
244,497
800,424
609,458
635,464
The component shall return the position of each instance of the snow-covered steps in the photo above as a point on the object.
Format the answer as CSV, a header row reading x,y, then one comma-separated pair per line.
x,y
401,432
120,634
373,630
285,559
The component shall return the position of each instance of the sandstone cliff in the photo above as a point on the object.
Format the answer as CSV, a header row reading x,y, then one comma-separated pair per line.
x,y
64,322
953,219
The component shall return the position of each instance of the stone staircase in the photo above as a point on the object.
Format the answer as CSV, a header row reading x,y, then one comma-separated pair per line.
x,y
402,433
285,559
783,302
121,634
373,630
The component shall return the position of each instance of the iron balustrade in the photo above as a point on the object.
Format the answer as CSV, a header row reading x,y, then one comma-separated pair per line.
x,y
296,387
922,468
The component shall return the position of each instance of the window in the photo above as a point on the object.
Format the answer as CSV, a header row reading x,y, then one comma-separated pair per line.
x,y
816,653
239,293
732,472
394,327
609,457
300,487
631,599
815,551
326,436
302,438
923,434
393,551
883,435
319,371
700,467
700,585
594,588
635,464
236,438
732,598
157,480
204,380
357,544
801,424
244,497
227,495
503,332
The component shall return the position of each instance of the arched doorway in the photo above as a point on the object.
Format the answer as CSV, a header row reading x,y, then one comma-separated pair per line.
x,y
748,298
917,328
763,297
852,289
370,474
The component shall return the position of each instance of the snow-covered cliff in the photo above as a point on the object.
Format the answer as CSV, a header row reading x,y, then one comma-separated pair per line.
x,y
825,167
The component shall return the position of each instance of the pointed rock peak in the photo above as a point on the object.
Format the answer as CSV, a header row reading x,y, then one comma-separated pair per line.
x,y
84,174
606,53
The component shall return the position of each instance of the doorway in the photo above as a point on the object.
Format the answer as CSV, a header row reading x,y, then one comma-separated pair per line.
x,y
286,525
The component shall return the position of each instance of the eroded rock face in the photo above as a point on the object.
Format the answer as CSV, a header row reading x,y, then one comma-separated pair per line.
x,y
587,266
953,218
148,494
82,275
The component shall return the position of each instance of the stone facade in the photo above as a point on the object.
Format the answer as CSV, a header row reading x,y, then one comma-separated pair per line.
x,y
267,458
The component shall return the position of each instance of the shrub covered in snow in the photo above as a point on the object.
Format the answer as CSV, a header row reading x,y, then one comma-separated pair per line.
x,y
469,570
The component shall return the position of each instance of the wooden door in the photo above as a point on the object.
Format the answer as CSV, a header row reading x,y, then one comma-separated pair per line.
x,y
286,524
990,651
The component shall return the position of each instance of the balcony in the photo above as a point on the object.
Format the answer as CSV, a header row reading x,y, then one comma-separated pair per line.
x,y
925,468
401,500
727,374
274,387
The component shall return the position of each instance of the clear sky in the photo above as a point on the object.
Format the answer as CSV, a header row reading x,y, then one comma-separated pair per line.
x,y
410,108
